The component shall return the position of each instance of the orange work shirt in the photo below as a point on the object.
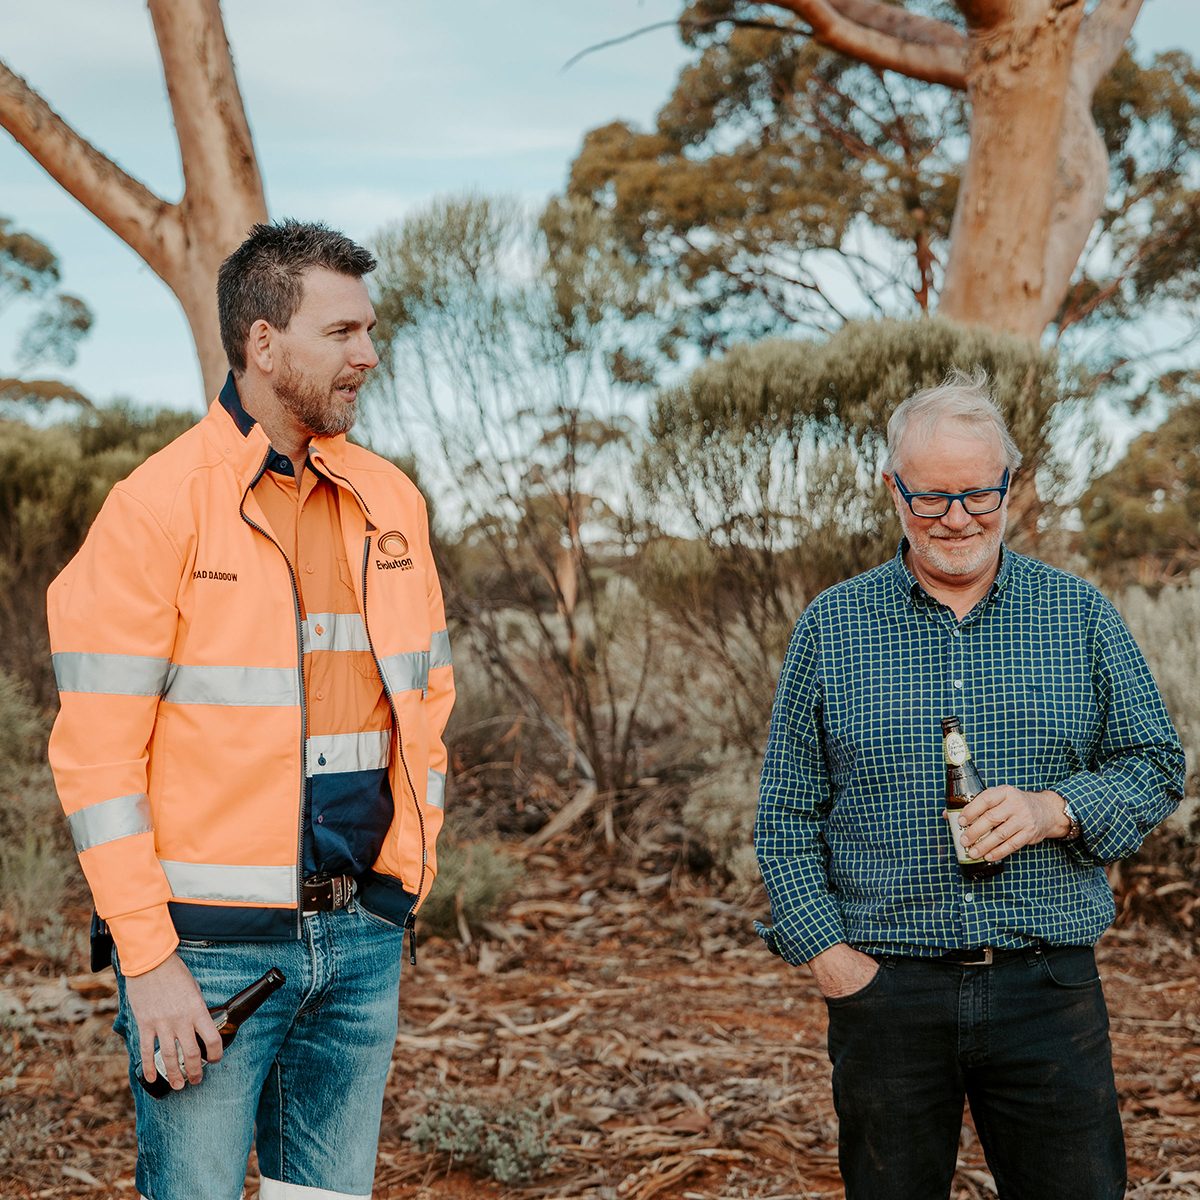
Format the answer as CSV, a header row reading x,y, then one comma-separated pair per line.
x,y
348,798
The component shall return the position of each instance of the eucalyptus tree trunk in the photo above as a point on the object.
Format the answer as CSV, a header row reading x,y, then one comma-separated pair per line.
x,y
182,242
1037,171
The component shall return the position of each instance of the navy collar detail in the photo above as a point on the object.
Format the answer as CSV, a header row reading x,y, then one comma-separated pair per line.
x,y
231,402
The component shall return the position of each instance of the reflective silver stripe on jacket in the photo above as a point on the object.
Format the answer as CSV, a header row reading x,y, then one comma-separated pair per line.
x,y
233,884
335,631
110,674
262,687
122,816
334,752
436,793
439,650
407,672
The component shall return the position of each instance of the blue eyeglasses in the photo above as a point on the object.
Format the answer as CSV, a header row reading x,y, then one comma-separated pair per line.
x,y
977,502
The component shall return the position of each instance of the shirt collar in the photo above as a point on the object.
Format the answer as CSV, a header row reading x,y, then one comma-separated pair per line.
x,y
910,588
231,402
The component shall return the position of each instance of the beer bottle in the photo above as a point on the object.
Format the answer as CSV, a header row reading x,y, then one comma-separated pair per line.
x,y
228,1018
962,786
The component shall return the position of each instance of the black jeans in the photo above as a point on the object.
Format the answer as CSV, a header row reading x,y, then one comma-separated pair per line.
x,y
1024,1040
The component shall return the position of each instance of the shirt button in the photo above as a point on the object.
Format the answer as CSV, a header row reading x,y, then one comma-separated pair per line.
x,y
968,898
320,820
958,684
308,568
957,631
320,695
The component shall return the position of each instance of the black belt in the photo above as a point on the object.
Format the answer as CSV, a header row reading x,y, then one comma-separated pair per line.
x,y
327,893
987,956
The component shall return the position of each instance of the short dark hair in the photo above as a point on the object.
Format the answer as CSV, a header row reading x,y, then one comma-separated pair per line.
x,y
262,278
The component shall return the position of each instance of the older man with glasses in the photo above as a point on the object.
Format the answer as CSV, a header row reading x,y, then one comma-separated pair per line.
x,y
940,988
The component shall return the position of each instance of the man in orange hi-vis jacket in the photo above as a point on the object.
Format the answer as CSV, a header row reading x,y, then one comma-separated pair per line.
x,y
254,671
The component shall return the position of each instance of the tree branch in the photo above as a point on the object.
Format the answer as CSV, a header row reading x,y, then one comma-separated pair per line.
x,y
1104,33
986,14
133,212
910,50
215,147
897,23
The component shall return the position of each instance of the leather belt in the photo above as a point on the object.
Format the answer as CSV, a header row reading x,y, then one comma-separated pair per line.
x,y
327,893
986,956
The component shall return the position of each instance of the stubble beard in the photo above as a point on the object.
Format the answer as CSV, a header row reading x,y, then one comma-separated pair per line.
x,y
928,548
318,407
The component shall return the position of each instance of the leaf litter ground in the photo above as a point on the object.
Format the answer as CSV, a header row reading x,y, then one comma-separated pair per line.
x,y
632,1020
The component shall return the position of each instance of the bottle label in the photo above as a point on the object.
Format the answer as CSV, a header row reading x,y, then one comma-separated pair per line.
x,y
956,749
161,1067
956,835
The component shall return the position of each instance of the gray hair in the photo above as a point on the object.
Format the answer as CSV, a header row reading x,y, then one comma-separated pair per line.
x,y
960,397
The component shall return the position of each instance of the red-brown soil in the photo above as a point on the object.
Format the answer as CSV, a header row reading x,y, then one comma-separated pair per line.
x,y
674,1055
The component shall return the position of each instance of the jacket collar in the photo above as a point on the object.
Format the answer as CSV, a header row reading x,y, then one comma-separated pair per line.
x,y
243,440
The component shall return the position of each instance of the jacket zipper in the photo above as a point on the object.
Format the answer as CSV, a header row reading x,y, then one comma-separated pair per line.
x,y
303,698
410,922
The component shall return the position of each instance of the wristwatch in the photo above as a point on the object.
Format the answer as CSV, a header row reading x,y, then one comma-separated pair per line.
x,y
1074,831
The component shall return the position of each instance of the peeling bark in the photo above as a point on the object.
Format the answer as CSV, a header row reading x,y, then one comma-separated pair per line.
x,y
185,242
1019,78
1037,169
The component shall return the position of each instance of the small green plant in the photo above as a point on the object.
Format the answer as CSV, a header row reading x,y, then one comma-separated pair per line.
x,y
511,1145
473,880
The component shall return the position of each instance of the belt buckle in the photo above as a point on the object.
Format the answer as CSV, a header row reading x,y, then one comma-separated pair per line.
x,y
986,954
341,889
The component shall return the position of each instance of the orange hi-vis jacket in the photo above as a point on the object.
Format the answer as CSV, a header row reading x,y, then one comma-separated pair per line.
x,y
181,746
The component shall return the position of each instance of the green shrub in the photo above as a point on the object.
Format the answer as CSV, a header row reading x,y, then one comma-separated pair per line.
x,y
52,483
473,880
509,1144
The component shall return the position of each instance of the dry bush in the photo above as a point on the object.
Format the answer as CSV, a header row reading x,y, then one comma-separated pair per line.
x,y
1166,625
1162,881
40,881
473,880
719,815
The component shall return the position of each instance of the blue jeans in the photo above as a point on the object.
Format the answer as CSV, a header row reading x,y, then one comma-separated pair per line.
x,y
1024,1040
303,1080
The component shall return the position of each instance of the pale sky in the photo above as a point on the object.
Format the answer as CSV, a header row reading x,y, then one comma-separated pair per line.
x,y
360,112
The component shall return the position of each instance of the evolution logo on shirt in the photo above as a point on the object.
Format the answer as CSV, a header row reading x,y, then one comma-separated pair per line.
x,y
395,545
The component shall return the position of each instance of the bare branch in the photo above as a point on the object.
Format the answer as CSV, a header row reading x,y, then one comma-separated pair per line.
x,y
707,23
215,147
896,22
914,49
133,212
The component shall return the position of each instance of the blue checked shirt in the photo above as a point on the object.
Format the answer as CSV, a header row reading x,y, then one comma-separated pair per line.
x,y
1053,693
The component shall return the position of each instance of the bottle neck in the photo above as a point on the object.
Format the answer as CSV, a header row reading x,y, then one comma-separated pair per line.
x,y
237,1008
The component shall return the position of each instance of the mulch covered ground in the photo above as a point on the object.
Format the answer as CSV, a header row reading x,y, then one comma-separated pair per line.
x,y
631,1026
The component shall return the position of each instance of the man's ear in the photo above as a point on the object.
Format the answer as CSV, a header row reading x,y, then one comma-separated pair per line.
x,y
260,347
